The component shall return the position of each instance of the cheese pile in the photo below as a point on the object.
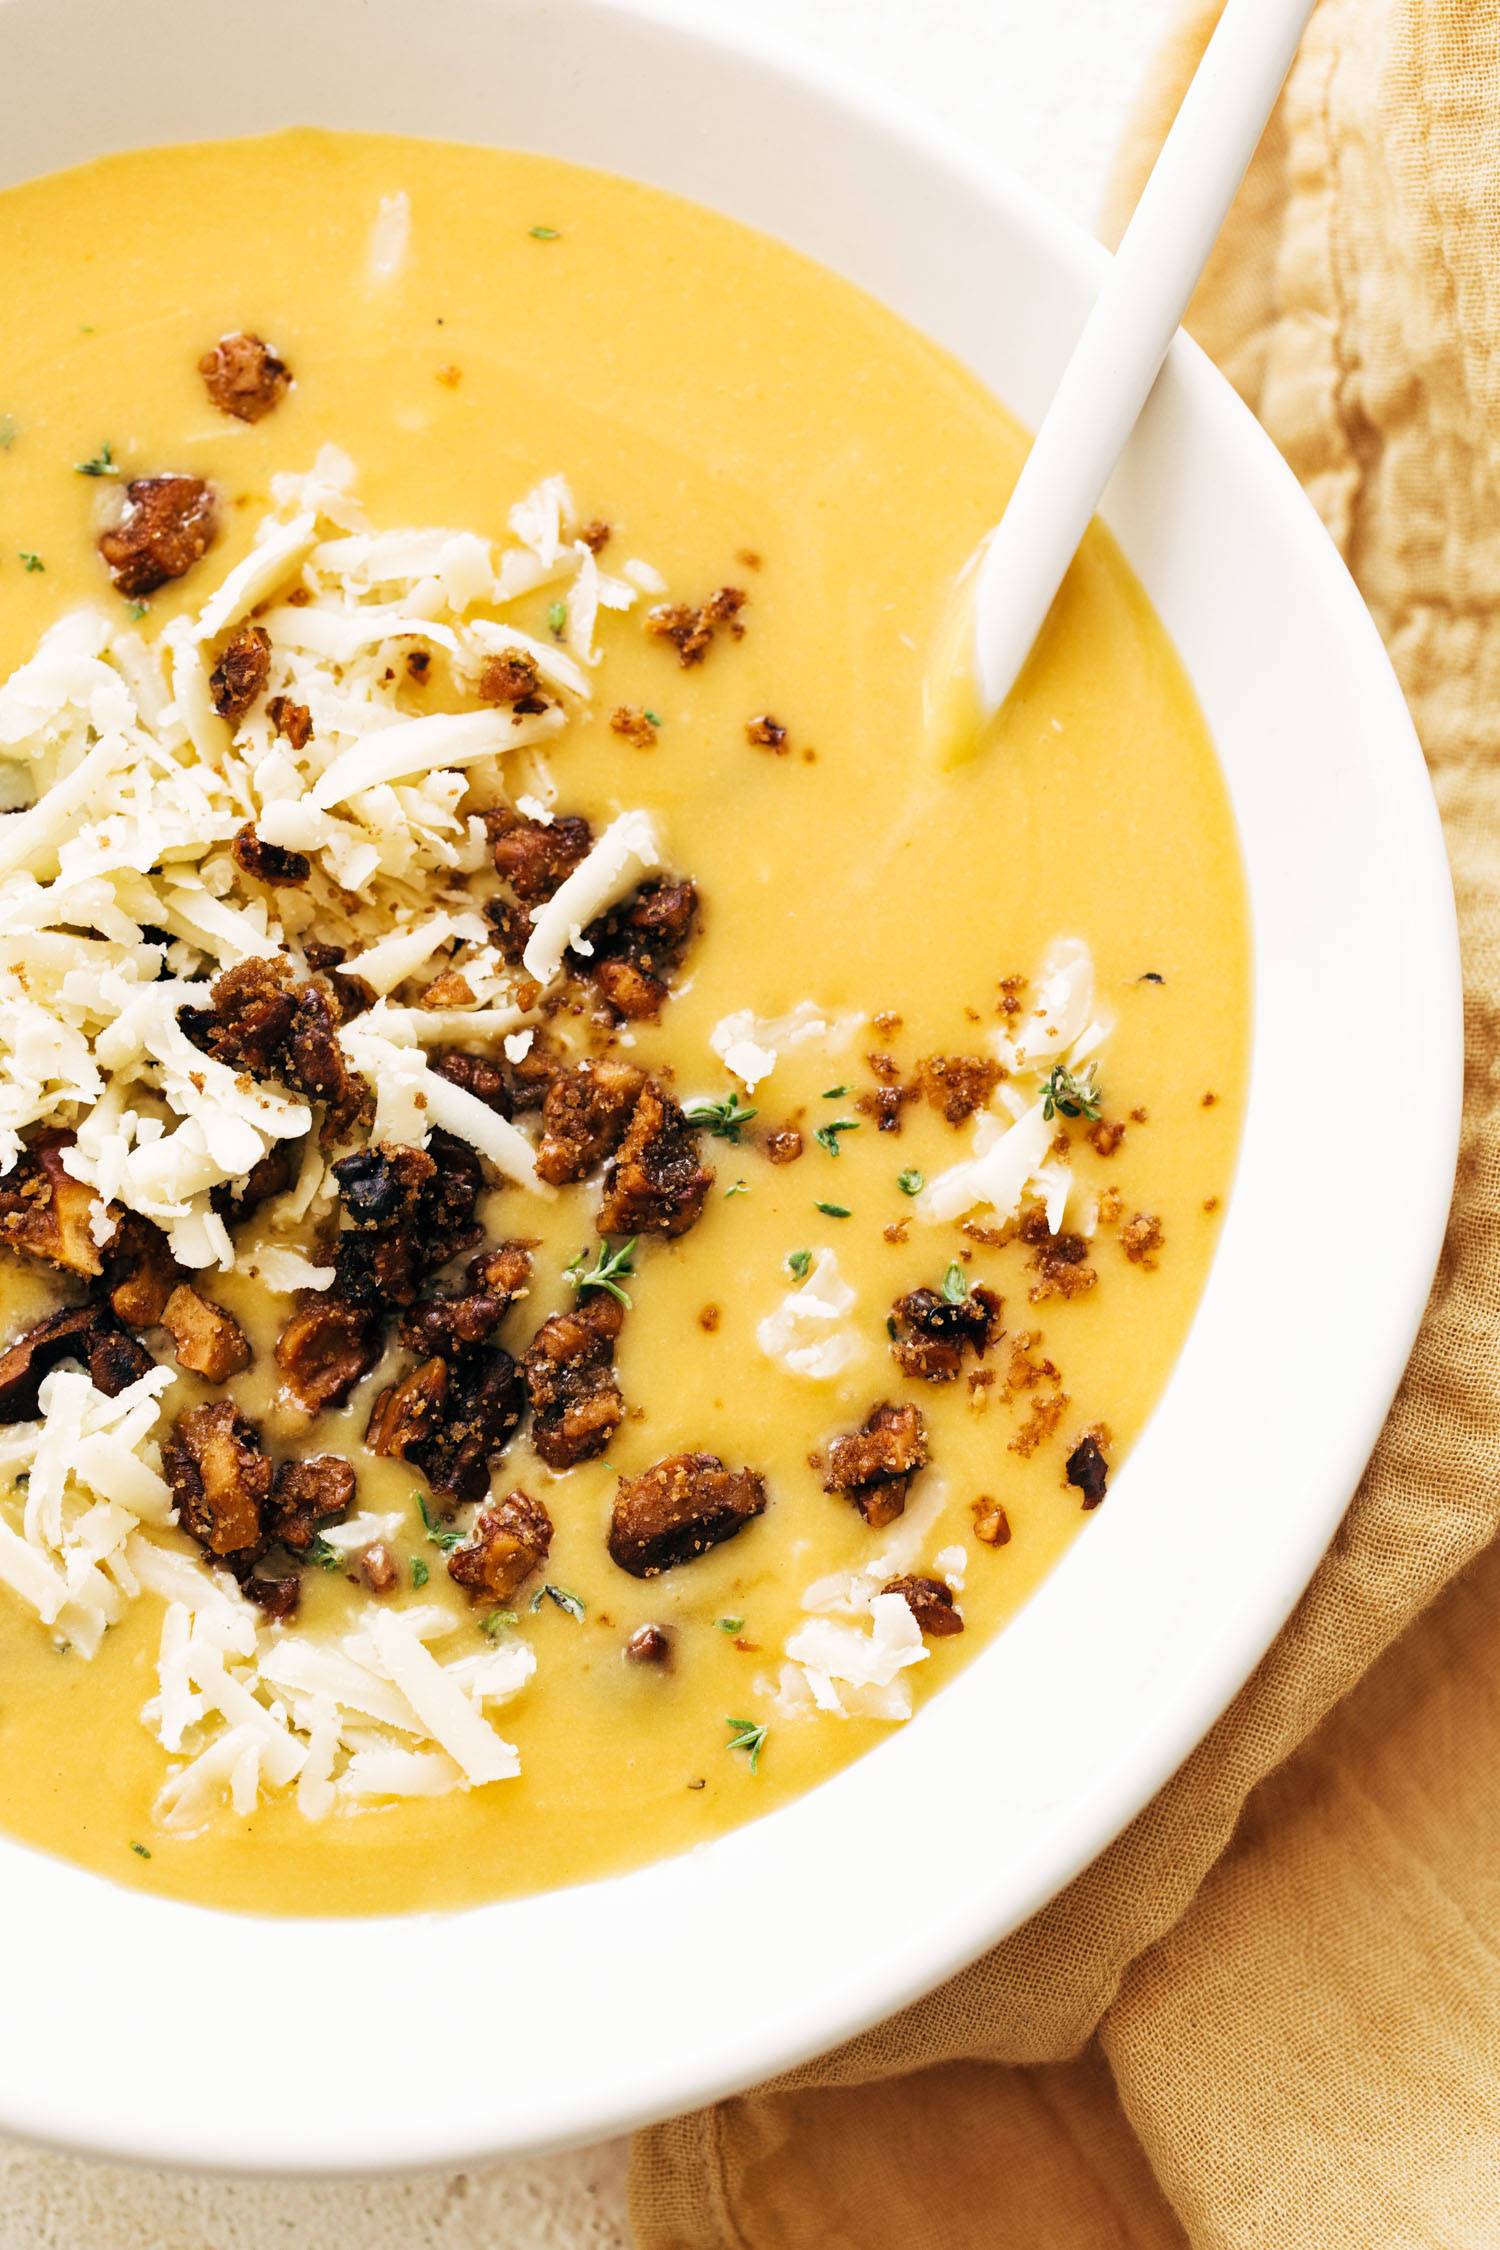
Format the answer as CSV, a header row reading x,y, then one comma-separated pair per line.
x,y
119,895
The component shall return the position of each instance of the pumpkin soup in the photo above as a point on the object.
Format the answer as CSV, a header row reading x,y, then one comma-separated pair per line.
x,y
580,1225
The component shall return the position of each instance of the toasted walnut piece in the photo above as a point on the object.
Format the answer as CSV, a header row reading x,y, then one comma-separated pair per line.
x,y
785,1145
140,1272
991,1523
248,1020
533,1074
438,1327
631,721
220,1477
294,720
244,377
1088,1470
406,1412
1059,1261
511,1539
80,1333
649,1644
1141,1238
931,1603
207,1340
596,535
576,1405
1046,1411
691,631
280,1597
933,1334
957,1085
511,677
873,1466
450,990
633,949
1105,1135
584,1118
534,856
475,1074
307,1494
655,1183
168,524
241,672
411,1210
268,863
316,1064
327,1347
767,733
678,1509
44,1212
379,1567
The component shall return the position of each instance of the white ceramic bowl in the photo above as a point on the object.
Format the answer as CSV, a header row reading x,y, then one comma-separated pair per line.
x,y
134,2026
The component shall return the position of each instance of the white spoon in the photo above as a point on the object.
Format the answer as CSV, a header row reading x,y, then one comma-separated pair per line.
x,y
1114,364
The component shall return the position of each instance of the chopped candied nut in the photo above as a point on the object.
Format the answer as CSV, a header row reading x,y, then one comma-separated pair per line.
x,y
511,1539
931,1603
631,721
261,1019
452,1418
410,1211
991,1523
1059,1261
83,1333
633,949
957,1085
576,1405
873,1466
655,1183
244,377
327,1347
511,677
168,524
406,1413
884,1104
305,1495
437,1327
478,1075
1088,1470
535,856
649,1644
140,1272
1141,1238
584,1118
596,535
691,631
1046,1411
766,733
933,1331
268,863
450,990
379,1567
294,720
1105,1135
46,1213
241,672
785,1145
220,1477
207,1340
279,1597
678,1509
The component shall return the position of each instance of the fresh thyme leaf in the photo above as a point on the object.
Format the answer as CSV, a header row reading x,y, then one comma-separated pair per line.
x,y
326,1557
100,464
890,1326
605,1271
747,1736
1067,1094
557,618
955,1286
498,1620
31,561
419,1571
834,1093
799,1262
827,1136
724,1118
564,1600
740,1187
439,1534
730,1625
135,611
834,1210
911,1182
140,1851
653,718
545,234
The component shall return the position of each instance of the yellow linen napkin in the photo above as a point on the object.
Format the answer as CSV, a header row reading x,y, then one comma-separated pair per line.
x,y
1269,2014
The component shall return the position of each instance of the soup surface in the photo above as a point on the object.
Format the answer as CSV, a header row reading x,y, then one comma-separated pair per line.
x,y
883,974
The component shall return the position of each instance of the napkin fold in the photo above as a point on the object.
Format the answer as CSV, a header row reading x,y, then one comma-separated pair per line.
x,y
1269,2014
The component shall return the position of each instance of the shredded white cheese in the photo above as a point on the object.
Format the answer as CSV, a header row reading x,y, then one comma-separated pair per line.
x,y
627,851
810,1331
749,1046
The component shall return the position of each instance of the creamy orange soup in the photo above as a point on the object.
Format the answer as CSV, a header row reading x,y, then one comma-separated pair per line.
x,y
884,942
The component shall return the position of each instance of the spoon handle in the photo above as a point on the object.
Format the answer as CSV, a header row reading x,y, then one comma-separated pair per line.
x,y
1125,338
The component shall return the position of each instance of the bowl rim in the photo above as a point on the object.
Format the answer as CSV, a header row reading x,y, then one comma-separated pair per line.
x,y
42,2103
